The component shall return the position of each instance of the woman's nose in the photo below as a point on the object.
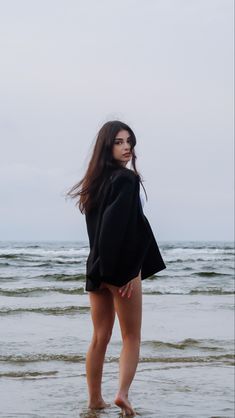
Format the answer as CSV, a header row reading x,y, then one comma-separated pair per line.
x,y
127,146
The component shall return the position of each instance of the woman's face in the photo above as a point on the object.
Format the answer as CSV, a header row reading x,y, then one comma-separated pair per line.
x,y
122,147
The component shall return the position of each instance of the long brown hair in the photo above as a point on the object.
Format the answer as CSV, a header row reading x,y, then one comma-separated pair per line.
x,y
89,188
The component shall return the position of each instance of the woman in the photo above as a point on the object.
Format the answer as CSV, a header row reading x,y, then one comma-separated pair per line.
x,y
123,252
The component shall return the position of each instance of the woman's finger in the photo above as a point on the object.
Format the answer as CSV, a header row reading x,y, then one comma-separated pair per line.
x,y
130,291
122,290
126,289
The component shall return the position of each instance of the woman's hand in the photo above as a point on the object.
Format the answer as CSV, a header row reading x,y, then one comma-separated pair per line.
x,y
126,289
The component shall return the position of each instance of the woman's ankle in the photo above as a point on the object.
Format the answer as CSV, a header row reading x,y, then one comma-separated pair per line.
x,y
94,399
98,403
123,393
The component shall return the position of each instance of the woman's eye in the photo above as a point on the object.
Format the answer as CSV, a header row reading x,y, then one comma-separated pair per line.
x,y
120,142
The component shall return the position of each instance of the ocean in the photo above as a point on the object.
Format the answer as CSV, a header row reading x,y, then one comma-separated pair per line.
x,y
186,366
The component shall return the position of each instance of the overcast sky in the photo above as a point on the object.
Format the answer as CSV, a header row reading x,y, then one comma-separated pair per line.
x,y
165,67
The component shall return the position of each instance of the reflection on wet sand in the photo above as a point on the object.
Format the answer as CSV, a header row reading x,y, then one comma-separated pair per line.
x,y
100,413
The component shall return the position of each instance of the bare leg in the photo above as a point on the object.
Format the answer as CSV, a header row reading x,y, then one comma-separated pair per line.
x,y
103,316
129,311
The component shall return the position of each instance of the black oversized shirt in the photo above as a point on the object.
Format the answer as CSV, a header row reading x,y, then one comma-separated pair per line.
x,y
120,237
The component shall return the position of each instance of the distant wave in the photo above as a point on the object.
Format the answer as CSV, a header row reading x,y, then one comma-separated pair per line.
x,y
33,246
193,260
209,344
196,291
224,358
29,358
50,263
31,291
44,252
214,291
8,278
10,255
28,374
74,358
195,246
209,274
62,277
57,310
35,262
37,291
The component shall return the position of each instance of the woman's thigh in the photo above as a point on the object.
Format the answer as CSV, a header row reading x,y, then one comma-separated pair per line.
x,y
129,310
102,312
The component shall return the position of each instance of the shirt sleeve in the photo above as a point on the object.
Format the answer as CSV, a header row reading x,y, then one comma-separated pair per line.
x,y
114,223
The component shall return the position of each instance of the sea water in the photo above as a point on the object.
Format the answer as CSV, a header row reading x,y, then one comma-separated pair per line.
x,y
186,366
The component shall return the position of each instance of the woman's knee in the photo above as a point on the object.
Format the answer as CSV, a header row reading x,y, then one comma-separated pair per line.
x,y
132,337
102,338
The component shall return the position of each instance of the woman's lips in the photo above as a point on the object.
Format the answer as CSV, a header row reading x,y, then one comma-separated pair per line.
x,y
127,154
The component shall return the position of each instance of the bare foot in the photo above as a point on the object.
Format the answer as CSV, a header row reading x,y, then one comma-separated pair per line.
x,y
123,402
99,404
